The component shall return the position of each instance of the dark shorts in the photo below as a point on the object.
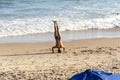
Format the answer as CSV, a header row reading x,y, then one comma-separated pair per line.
x,y
57,37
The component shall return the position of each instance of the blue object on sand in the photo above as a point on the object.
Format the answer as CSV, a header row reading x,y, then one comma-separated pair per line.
x,y
95,75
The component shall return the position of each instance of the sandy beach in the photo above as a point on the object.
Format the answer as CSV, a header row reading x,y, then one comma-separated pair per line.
x,y
35,61
89,30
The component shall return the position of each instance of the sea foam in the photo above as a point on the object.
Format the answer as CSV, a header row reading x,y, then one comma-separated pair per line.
x,y
44,24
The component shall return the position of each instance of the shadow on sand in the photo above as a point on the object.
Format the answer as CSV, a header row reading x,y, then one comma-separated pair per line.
x,y
39,53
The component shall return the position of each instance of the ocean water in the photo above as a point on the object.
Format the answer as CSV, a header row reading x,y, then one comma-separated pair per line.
x,y
21,17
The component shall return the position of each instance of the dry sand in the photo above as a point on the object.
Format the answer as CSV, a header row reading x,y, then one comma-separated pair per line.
x,y
35,61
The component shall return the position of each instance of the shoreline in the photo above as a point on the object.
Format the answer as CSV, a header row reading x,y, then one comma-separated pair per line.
x,y
66,36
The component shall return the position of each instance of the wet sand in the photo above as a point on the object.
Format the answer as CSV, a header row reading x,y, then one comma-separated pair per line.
x,y
35,61
66,36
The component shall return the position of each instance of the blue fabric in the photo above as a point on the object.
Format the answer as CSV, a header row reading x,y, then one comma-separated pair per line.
x,y
95,75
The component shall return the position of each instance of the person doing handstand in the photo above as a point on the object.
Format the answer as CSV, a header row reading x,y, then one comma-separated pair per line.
x,y
57,38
